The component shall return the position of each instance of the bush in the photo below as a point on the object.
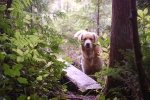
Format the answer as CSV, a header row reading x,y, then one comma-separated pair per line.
x,y
29,66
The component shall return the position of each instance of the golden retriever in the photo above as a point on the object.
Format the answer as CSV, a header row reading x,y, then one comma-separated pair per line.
x,y
91,49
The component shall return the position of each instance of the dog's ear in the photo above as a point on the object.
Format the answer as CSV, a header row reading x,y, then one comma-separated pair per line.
x,y
79,34
95,37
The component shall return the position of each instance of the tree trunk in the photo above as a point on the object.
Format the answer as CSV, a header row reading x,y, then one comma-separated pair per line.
x,y
144,85
98,4
121,40
9,2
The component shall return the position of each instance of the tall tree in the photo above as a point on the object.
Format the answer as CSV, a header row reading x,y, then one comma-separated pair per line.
x,y
121,40
124,35
144,84
98,5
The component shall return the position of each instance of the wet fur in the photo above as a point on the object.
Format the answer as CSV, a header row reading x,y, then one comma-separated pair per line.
x,y
90,60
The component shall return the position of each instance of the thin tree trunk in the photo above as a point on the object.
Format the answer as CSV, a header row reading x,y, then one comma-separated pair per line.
x,y
144,85
98,16
9,2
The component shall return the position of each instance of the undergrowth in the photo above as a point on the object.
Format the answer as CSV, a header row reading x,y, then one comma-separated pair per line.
x,y
29,66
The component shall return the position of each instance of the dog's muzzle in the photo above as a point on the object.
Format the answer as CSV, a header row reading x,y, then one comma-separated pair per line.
x,y
88,45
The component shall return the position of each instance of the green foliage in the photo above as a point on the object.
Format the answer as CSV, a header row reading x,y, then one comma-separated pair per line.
x,y
30,69
105,43
144,31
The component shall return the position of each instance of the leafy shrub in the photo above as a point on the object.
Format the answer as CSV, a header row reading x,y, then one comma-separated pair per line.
x,y
144,31
29,66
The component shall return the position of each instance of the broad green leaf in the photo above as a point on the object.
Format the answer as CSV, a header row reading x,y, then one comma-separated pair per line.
x,y
28,17
2,8
101,41
3,37
55,99
148,17
22,80
25,3
140,13
20,59
104,36
45,75
26,21
10,8
105,49
108,41
2,56
148,25
17,34
26,52
17,73
6,67
19,23
145,11
10,72
22,97
39,78
17,67
19,52
31,45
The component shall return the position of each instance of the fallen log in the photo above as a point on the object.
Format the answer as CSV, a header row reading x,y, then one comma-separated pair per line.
x,y
80,79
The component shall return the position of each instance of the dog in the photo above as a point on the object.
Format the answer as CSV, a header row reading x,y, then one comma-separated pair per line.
x,y
91,49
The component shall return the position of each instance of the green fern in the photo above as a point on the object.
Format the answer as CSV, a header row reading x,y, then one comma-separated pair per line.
x,y
18,6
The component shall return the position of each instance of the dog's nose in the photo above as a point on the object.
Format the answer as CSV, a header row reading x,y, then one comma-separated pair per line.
x,y
88,45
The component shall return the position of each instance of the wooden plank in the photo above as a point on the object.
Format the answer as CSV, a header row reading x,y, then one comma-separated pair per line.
x,y
80,79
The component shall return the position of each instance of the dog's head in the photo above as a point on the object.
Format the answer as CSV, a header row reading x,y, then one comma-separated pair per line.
x,y
88,39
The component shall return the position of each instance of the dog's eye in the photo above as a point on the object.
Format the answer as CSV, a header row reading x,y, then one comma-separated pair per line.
x,y
91,39
84,39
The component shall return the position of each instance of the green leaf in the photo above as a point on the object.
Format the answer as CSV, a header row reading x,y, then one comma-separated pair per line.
x,y
2,56
54,98
22,80
6,67
10,9
17,67
101,41
19,52
39,78
140,13
19,22
3,37
22,97
148,25
105,49
2,8
104,36
10,72
26,21
20,59
25,3
45,75
17,73
28,17
17,34
145,11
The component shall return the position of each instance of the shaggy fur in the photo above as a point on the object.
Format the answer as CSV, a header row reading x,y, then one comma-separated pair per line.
x,y
91,49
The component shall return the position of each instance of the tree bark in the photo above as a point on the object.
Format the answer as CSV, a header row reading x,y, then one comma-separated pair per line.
x,y
98,16
121,40
144,85
9,2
